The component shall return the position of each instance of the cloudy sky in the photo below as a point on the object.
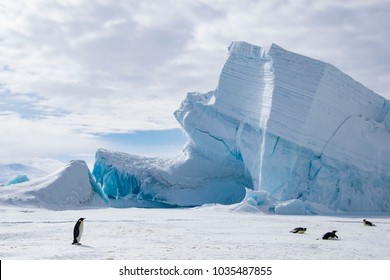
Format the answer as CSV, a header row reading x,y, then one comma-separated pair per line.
x,y
78,75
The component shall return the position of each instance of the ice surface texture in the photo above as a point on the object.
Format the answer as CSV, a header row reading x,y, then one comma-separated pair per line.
x,y
280,122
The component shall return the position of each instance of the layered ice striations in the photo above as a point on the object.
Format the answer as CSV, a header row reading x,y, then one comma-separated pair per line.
x,y
279,122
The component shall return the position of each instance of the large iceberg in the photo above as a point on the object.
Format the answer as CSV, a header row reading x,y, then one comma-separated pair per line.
x,y
279,122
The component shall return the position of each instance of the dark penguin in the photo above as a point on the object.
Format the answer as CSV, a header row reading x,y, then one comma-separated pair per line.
x,y
78,231
368,223
298,230
330,235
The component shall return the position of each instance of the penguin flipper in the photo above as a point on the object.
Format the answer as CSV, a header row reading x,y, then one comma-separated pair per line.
x,y
76,232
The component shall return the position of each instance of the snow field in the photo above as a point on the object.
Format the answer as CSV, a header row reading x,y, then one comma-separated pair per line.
x,y
205,233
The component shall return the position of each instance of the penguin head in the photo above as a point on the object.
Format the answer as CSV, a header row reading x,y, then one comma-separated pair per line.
x,y
81,219
334,231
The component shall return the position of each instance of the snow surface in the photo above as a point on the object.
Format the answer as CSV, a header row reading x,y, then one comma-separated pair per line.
x,y
208,232
295,127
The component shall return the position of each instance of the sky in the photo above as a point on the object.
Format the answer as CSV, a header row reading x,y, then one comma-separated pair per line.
x,y
77,75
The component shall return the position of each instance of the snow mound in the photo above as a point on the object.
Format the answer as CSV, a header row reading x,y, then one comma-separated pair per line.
x,y
263,202
295,127
70,187
256,201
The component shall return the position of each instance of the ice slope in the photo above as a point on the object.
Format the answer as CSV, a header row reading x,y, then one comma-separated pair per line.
x,y
295,127
68,188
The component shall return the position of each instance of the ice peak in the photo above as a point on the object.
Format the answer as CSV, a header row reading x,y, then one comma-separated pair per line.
x,y
247,50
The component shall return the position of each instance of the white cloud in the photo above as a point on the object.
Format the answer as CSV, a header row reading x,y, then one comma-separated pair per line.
x,y
47,137
116,66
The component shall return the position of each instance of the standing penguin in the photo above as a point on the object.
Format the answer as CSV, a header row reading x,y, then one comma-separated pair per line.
x,y
368,223
330,235
78,231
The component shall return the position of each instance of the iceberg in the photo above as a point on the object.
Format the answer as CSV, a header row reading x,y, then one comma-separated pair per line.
x,y
17,180
187,180
278,122
12,170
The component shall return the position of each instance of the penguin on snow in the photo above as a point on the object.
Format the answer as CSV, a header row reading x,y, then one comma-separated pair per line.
x,y
300,230
78,231
368,223
330,235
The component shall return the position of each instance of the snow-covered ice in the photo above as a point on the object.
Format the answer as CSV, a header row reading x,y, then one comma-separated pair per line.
x,y
205,233
280,122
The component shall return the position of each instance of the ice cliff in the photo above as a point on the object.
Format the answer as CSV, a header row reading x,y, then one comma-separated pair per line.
x,y
292,126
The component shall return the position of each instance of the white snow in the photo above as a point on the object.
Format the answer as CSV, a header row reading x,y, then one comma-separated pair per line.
x,y
209,232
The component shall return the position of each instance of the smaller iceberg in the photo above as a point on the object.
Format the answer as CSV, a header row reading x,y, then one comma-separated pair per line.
x,y
17,180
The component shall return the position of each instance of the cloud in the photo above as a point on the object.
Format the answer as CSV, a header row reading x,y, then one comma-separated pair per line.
x,y
26,105
20,136
74,69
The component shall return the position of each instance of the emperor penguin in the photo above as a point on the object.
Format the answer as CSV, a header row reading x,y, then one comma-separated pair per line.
x,y
330,235
368,223
78,231
300,230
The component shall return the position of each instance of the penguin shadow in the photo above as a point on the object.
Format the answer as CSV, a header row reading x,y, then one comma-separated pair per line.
x,y
83,246
330,239
86,246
